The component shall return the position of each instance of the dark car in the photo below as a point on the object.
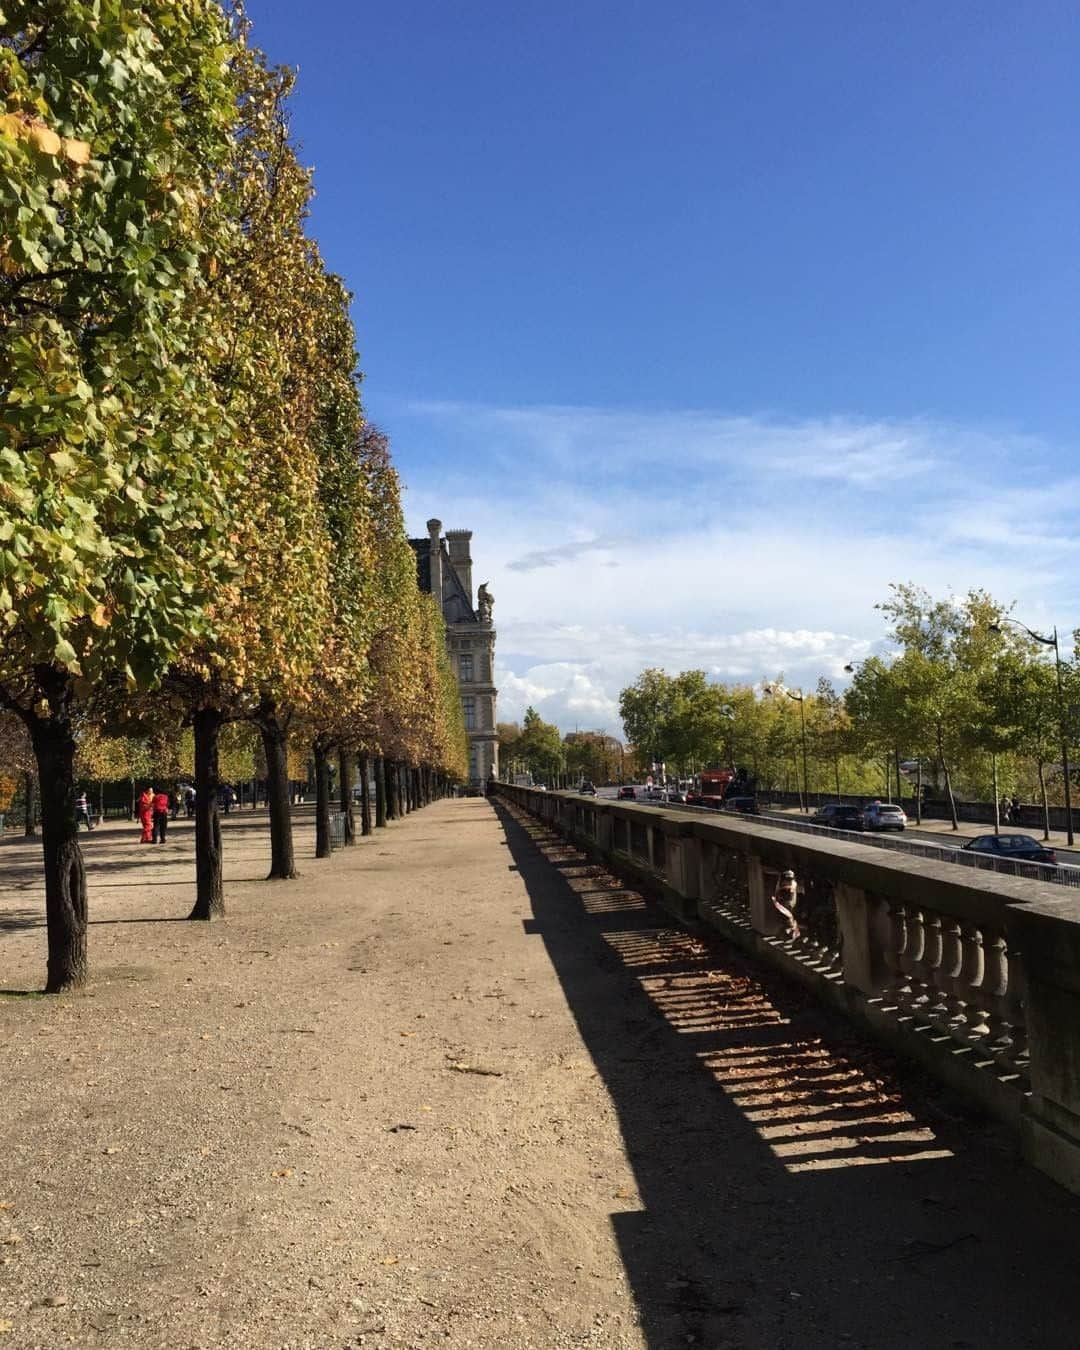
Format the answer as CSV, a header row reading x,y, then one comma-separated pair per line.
x,y
837,816
746,806
627,794
1018,847
587,789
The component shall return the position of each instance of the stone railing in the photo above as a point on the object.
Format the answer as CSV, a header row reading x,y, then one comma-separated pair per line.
x,y
974,974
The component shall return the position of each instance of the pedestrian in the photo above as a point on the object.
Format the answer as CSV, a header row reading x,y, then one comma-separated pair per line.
x,y
189,801
146,815
784,898
226,797
176,800
82,811
1014,811
161,816
1003,810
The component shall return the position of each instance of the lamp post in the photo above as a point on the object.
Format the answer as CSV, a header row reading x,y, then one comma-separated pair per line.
x,y
1051,642
798,696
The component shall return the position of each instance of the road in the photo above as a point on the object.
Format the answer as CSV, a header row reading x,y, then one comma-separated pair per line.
x,y
942,838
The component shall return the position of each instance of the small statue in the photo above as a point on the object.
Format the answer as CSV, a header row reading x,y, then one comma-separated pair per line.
x,y
484,602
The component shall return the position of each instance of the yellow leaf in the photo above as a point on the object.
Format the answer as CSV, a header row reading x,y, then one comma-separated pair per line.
x,y
285,1172
43,138
78,152
389,1261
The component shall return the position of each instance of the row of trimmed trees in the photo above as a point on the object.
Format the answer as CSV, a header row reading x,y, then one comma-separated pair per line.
x,y
196,523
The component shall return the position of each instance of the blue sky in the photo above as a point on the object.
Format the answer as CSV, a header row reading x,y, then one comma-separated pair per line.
x,y
709,319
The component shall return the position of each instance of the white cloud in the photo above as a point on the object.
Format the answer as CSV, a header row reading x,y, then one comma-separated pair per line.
x,y
740,545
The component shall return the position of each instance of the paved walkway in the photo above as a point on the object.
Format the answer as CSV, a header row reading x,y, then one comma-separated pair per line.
x,y
457,1086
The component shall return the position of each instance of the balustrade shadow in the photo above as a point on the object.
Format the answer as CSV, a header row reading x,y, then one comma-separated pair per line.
x,y
797,1187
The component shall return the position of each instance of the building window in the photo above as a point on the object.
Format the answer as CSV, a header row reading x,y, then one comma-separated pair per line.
x,y
465,663
468,706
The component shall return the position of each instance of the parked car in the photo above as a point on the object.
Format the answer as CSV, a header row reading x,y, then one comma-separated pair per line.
x,y
626,794
837,816
675,798
884,816
1018,847
587,789
746,806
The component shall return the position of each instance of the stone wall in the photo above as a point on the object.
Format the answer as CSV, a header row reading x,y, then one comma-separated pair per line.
x,y
975,975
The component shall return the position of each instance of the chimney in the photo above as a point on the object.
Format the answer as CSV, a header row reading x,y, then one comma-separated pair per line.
x,y
434,529
457,542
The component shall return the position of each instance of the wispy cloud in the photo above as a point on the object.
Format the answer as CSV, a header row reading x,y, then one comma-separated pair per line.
x,y
562,553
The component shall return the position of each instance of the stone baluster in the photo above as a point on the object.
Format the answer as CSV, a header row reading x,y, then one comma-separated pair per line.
x,y
933,1004
890,926
949,973
913,994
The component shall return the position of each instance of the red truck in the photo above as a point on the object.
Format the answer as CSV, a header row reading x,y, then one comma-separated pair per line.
x,y
709,788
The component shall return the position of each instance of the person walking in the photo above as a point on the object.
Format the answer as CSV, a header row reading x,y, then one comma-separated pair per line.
x,y
1014,811
1004,810
161,816
82,811
146,815
189,801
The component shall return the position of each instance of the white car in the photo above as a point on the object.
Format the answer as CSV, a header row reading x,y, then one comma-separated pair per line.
x,y
884,816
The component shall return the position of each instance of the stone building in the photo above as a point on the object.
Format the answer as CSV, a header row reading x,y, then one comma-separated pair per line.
x,y
444,569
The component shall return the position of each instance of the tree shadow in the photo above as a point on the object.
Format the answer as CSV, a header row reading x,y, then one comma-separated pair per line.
x,y
795,1185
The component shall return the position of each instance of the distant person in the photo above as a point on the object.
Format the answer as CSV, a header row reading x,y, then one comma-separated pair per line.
x,y
1014,811
82,811
189,801
1004,810
161,816
784,898
146,815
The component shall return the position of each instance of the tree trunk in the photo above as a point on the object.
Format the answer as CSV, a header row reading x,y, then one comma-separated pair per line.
x,y
948,782
323,847
275,739
346,789
380,792
390,775
836,766
364,765
65,877
997,799
1046,804
29,828
209,887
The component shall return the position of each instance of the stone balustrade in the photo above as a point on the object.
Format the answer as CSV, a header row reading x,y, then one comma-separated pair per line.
x,y
974,974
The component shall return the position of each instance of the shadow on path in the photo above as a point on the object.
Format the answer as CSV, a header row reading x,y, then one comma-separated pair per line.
x,y
797,1186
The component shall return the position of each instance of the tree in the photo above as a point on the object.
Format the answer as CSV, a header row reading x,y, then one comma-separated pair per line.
x,y
645,708
117,123
540,746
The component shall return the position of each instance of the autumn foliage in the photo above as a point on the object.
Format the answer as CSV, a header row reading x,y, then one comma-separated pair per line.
x,y
190,499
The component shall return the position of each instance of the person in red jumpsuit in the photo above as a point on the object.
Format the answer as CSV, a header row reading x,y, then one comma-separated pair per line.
x,y
161,816
146,815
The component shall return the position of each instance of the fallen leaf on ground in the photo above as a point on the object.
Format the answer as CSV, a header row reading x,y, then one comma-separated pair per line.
x,y
389,1260
460,1067
285,1172
54,1301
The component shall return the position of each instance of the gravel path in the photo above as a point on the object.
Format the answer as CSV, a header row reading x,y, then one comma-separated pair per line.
x,y
457,1086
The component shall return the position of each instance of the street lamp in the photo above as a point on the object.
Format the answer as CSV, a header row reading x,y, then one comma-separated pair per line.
x,y
775,689
1051,642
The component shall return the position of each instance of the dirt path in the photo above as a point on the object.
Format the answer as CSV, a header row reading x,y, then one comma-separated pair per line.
x,y
457,1087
